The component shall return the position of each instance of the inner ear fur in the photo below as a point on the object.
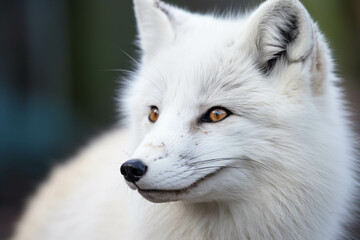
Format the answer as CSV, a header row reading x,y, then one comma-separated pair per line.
x,y
283,29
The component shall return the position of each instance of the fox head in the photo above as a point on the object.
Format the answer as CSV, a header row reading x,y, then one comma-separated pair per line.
x,y
221,108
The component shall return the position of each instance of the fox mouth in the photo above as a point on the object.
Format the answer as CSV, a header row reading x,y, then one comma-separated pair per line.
x,y
162,195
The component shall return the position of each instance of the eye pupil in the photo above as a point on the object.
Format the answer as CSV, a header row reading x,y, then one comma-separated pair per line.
x,y
154,114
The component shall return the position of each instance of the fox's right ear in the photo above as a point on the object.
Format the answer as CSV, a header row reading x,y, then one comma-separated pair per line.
x,y
157,24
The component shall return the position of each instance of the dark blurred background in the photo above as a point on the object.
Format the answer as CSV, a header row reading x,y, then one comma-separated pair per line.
x,y
58,77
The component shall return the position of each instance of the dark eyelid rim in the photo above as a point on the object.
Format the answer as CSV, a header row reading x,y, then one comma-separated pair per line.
x,y
205,117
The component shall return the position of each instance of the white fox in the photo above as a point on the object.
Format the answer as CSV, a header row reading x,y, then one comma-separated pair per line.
x,y
236,129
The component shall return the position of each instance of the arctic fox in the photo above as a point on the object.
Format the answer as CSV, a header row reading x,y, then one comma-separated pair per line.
x,y
235,129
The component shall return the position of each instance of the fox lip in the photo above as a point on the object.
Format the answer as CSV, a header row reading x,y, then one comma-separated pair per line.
x,y
165,195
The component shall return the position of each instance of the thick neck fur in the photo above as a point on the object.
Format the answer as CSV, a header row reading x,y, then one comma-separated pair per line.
x,y
275,216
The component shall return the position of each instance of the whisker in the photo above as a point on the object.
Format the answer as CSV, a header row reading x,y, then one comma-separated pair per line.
x,y
217,167
123,150
131,72
214,167
128,55
227,159
204,154
119,70
188,153
138,64
201,165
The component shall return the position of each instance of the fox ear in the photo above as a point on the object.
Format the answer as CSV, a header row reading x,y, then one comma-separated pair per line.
x,y
157,24
281,28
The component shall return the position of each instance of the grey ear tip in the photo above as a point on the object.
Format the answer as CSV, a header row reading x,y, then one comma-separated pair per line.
x,y
284,1
159,4
292,2
156,3
165,8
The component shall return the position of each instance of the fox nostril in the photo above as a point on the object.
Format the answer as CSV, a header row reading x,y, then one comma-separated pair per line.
x,y
133,170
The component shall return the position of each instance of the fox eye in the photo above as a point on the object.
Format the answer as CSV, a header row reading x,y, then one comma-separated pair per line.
x,y
215,114
154,114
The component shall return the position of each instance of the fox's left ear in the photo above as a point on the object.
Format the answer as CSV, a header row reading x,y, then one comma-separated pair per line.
x,y
157,24
280,28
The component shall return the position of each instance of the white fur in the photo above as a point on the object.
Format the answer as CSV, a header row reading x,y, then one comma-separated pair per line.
x,y
280,166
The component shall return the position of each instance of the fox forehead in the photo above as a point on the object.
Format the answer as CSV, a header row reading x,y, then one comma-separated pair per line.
x,y
208,70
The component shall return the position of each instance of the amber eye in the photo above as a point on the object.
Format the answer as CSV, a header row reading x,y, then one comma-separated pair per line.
x,y
154,114
215,114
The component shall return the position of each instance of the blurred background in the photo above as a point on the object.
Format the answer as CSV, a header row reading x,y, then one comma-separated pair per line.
x,y
58,78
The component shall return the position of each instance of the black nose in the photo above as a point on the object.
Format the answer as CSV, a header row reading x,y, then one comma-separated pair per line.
x,y
133,170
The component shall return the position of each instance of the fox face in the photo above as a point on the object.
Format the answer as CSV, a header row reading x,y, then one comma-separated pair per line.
x,y
218,105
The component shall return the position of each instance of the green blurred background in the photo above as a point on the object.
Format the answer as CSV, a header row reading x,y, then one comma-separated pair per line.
x,y
58,77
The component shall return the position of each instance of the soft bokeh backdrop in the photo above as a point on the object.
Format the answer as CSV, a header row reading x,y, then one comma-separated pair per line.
x,y
58,62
